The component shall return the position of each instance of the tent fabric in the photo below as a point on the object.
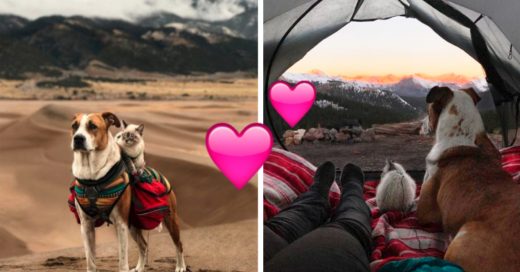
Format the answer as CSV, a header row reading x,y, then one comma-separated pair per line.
x,y
380,9
277,8
504,13
485,30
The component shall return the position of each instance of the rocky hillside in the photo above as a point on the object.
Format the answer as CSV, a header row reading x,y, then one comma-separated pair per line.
x,y
376,101
243,25
73,42
411,89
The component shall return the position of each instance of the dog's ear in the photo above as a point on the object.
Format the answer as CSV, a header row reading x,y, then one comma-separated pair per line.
x,y
111,119
124,124
439,95
473,94
140,129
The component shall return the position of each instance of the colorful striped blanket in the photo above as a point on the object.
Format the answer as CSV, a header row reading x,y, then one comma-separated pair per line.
x,y
150,197
97,198
396,235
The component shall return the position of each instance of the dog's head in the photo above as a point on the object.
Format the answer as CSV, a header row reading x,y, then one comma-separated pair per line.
x,y
441,99
91,131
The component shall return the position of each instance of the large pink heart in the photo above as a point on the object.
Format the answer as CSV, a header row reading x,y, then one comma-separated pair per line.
x,y
239,155
292,103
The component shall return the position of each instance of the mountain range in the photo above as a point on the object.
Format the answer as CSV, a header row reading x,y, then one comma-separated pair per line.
x,y
165,43
211,10
243,25
412,89
379,100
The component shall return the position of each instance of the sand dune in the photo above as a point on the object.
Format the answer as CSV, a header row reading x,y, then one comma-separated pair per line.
x,y
35,173
11,245
228,247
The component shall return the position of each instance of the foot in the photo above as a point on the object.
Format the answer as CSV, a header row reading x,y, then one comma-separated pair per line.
x,y
351,173
323,178
180,268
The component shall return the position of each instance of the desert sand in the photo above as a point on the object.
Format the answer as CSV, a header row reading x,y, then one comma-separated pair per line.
x,y
146,86
218,222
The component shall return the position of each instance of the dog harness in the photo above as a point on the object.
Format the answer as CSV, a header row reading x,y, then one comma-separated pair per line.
x,y
150,195
97,198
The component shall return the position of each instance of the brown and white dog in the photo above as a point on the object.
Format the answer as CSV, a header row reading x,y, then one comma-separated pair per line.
x,y
95,153
466,189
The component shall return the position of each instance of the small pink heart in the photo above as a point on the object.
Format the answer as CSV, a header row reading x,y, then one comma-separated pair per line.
x,y
239,155
292,103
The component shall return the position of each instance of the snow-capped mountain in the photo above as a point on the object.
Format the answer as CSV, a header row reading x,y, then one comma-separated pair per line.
x,y
409,86
359,92
217,10
315,77
242,24
414,86
116,43
373,97
323,103
405,93
11,22
380,100
207,10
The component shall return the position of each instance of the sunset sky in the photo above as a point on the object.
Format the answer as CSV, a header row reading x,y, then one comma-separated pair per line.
x,y
399,46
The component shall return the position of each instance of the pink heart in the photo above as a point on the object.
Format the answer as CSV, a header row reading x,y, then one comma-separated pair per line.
x,y
239,155
292,103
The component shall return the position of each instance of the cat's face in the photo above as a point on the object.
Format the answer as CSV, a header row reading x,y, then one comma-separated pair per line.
x,y
130,135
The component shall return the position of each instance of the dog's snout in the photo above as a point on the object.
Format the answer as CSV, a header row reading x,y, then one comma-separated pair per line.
x,y
79,142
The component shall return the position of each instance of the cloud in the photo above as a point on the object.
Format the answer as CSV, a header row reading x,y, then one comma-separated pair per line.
x,y
125,9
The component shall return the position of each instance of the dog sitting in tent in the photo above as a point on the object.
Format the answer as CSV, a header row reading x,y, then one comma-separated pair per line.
x,y
465,188
100,193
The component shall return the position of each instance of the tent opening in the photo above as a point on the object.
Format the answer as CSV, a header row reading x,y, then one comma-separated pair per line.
x,y
485,31
371,80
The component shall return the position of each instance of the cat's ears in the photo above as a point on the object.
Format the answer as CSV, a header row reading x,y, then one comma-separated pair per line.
x,y
140,129
389,165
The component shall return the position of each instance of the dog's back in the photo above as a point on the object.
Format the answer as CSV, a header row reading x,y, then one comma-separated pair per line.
x,y
479,203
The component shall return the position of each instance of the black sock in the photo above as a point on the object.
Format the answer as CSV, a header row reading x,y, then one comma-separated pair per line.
x,y
323,179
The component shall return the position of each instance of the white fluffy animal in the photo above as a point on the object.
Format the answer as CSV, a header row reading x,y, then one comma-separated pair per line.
x,y
396,191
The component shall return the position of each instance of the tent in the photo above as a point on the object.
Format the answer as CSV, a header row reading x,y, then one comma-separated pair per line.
x,y
487,30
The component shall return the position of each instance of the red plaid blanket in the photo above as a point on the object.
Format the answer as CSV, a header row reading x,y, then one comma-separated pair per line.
x,y
287,175
396,235
511,161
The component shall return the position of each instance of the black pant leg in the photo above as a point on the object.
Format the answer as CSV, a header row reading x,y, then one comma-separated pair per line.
x,y
329,248
273,244
308,211
353,214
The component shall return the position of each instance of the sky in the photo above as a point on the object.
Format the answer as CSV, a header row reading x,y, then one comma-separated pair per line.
x,y
120,9
399,46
